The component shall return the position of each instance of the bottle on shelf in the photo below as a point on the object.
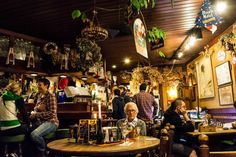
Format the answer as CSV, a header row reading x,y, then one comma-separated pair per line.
x,y
100,135
111,136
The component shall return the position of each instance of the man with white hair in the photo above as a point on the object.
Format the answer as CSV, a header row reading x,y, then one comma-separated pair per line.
x,y
131,120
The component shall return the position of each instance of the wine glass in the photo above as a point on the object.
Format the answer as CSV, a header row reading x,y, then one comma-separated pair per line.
x,y
138,129
125,130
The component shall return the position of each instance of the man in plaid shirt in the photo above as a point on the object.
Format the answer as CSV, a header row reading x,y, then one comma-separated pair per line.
x,y
44,116
146,103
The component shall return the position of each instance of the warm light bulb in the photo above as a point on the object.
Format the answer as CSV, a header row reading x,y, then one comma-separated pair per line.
x,y
221,7
63,76
127,61
172,93
34,74
113,66
187,47
192,40
180,54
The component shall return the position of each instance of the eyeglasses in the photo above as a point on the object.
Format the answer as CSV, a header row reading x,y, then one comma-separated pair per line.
x,y
131,111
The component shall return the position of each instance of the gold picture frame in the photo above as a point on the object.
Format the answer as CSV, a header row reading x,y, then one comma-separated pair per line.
x,y
226,95
223,74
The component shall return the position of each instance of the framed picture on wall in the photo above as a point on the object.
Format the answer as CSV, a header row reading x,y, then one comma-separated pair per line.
x,y
226,95
205,78
223,74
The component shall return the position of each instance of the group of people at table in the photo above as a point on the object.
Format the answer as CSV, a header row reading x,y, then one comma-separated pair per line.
x,y
43,119
142,109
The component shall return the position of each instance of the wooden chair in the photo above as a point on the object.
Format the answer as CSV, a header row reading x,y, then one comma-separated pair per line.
x,y
166,141
204,149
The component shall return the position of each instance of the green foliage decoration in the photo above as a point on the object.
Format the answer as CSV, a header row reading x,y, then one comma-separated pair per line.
x,y
139,4
155,33
78,14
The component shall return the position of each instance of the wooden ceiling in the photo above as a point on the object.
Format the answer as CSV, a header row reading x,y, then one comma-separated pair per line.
x,y
51,20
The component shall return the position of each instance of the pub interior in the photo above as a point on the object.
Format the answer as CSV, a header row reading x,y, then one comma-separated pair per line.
x,y
102,77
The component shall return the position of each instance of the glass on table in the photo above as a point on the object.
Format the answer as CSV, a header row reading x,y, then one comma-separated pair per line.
x,y
125,130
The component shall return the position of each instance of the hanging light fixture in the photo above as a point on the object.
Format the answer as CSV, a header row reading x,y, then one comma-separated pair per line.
x,y
94,31
198,33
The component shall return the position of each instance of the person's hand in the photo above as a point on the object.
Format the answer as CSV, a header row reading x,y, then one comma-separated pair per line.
x,y
183,111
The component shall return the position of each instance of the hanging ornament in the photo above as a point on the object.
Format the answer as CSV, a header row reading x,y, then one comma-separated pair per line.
x,y
31,60
89,53
64,62
11,56
207,17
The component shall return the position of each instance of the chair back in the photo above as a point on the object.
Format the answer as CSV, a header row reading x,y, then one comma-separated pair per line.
x,y
203,148
171,134
163,152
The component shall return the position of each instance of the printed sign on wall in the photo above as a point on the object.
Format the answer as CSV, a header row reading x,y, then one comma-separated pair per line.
x,y
140,37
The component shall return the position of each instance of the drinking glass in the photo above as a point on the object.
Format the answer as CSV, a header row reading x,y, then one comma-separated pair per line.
x,y
138,129
125,131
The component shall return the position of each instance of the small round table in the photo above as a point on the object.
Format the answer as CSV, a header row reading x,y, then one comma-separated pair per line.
x,y
137,145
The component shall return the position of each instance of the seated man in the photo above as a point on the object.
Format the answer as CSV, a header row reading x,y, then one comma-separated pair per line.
x,y
172,116
44,116
131,120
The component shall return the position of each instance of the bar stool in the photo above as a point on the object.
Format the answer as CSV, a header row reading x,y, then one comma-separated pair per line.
x,y
6,140
62,133
49,136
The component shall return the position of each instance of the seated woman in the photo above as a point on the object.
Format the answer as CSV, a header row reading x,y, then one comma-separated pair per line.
x,y
131,120
10,103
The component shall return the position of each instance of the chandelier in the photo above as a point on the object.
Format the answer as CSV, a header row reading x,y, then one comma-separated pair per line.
x,y
94,31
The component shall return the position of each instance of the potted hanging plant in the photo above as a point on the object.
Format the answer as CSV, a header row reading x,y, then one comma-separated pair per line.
x,y
139,4
156,37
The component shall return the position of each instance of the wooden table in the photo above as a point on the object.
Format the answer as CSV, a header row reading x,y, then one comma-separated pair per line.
x,y
215,138
139,145
219,132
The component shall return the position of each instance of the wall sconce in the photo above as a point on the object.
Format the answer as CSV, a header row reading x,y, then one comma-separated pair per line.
x,y
172,93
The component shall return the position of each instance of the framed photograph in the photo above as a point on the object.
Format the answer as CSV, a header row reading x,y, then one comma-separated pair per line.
x,y
226,95
205,78
223,74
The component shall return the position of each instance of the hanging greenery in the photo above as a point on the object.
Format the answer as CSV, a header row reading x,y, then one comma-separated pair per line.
x,y
229,41
167,76
139,4
155,34
78,14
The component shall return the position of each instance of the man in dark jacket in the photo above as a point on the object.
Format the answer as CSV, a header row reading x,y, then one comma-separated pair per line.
x,y
118,106
172,116
124,95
